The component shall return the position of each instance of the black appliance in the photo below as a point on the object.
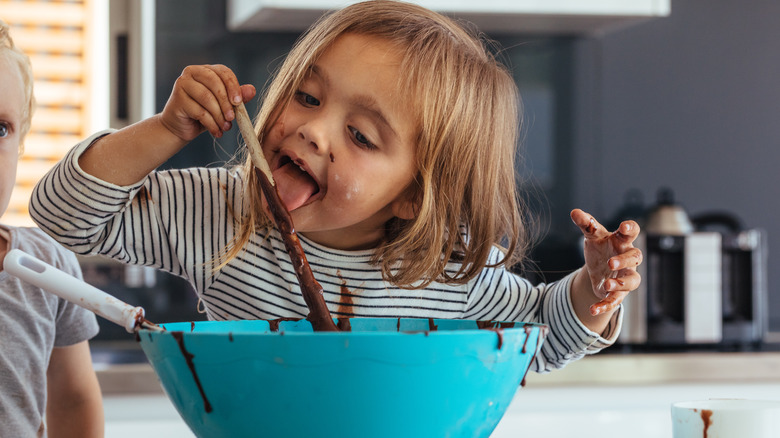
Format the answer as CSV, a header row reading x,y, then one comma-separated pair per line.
x,y
707,287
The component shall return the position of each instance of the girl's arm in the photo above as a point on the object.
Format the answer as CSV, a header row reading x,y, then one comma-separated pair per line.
x,y
74,405
609,273
202,99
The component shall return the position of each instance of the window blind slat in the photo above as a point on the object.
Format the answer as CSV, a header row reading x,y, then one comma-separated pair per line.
x,y
58,93
43,13
61,67
50,147
42,40
58,120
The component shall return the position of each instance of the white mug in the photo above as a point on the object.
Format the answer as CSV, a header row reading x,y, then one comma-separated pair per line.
x,y
726,418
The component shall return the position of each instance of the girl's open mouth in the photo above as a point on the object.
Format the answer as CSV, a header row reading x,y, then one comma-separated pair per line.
x,y
295,185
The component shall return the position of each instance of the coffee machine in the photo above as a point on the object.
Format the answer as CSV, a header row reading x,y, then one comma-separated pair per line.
x,y
704,282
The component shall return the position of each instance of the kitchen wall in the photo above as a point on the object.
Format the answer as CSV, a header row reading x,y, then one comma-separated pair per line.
x,y
687,101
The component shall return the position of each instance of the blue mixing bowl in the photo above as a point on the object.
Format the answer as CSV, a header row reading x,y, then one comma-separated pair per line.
x,y
384,378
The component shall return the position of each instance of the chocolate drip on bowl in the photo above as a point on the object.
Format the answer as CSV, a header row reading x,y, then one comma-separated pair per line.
x,y
179,336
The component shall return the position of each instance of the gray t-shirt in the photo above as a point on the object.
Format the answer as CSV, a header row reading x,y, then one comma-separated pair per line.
x,y
32,322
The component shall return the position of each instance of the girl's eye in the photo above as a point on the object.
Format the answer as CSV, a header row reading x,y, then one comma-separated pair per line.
x,y
361,139
306,99
3,130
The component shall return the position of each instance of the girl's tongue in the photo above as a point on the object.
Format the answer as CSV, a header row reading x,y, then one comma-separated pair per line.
x,y
294,185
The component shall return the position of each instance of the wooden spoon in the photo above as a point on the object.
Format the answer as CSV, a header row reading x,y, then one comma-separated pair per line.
x,y
319,315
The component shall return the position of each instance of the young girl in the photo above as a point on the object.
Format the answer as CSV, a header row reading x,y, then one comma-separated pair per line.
x,y
45,365
391,133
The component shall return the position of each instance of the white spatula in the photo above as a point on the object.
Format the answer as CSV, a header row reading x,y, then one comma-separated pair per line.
x,y
34,271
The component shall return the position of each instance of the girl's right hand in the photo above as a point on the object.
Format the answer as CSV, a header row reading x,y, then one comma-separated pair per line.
x,y
202,100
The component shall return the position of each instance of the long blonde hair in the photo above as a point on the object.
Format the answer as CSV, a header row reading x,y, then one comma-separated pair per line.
x,y
9,50
467,107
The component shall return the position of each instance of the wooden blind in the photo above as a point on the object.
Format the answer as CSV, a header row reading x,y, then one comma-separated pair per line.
x,y
54,34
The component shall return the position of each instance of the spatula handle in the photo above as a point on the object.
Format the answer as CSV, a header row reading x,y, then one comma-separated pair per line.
x,y
52,280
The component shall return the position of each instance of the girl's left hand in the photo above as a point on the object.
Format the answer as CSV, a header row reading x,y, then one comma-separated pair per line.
x,y
610,259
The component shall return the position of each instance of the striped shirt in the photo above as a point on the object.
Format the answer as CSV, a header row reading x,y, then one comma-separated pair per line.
x,y
179,221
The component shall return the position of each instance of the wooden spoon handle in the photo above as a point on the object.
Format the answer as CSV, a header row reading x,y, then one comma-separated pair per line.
x,y
247,130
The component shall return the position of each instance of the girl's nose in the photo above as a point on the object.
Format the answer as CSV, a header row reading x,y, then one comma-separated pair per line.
x,y
314,132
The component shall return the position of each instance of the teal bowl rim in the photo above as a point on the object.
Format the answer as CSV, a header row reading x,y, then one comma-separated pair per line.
x,y
490,325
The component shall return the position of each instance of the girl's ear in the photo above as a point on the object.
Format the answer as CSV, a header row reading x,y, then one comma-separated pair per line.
x,y
406,205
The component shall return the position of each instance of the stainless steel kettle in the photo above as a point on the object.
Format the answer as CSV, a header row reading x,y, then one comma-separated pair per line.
x,y
668,217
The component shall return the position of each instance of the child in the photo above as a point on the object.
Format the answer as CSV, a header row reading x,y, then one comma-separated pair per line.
x,y
45,363
391,133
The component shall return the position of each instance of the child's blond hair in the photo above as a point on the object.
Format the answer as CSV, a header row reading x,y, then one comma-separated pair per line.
x,y
466,105
9,50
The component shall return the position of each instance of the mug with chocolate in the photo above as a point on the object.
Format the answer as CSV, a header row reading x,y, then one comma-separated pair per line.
x,y
726,418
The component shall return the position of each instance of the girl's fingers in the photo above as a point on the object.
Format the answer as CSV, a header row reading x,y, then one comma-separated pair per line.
x,y
209,90
207,112
590,227
203,99
248,91
609,303
616,290
223,90
627,231
631,258
620,277
227,89
626,281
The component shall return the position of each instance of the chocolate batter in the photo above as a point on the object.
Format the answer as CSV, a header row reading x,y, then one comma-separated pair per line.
x,y
319,315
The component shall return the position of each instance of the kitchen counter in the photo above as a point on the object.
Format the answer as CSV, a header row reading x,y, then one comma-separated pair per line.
x,y
600,370
553,412
668,368
601,396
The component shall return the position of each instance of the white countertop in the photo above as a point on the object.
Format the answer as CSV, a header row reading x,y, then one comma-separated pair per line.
x,y
584,411
636,411
669,368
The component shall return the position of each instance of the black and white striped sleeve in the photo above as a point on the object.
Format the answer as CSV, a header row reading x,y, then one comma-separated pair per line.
x,y
172,220
501,295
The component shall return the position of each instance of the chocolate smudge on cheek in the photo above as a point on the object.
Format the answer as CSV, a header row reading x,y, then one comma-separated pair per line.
x,y
179,337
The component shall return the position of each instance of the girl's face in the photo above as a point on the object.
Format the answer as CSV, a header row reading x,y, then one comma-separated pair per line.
x,y
343,151
11,103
